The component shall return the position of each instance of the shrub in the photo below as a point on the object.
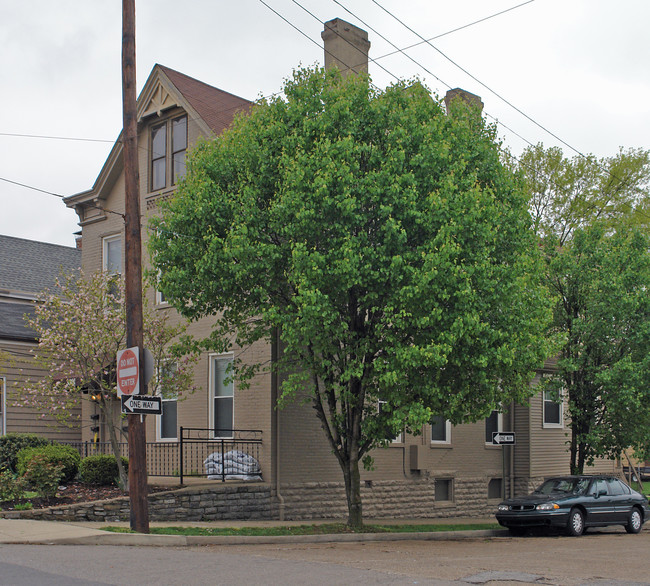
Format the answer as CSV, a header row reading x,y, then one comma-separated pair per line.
x,y
43,475
12,443
11,486
100,469
67,456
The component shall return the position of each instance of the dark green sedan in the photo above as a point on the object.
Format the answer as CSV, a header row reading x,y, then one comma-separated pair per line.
x,y
574,503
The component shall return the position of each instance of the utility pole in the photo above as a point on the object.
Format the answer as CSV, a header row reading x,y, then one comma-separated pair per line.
x,y
133,267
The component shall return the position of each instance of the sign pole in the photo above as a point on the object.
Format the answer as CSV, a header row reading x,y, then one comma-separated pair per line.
x,y
133,266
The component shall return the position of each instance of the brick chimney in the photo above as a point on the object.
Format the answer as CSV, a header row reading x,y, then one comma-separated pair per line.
x,y
467,97
346,47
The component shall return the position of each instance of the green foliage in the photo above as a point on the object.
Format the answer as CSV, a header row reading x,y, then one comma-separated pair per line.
x,y
382,239
602,281
12,443
570,194
100,469
12,486
81,326
67,456
43,475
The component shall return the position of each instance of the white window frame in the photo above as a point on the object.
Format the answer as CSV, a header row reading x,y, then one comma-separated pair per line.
x,y
106,241
560,402
447,439
159,422
399,438
160,300
499,425
214,358
159,418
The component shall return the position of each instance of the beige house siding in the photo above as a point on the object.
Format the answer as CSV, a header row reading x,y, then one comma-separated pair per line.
x,y
19,374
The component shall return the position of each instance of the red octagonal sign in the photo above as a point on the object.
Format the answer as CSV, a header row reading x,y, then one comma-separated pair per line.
x,y
128,372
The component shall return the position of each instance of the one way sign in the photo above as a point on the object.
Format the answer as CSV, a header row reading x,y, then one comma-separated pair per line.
x,y
141,404
503,438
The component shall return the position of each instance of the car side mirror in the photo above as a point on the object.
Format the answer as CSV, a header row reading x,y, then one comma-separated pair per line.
x,y
602,492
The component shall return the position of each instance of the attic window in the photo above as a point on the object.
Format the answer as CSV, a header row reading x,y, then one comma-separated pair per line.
x,y
168,142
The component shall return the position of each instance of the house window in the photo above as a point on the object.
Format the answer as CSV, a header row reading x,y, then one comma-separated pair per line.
x,y
179,147
440,430
112,254
168,142
399,438
223,396
495,488
443,489
493,423
167,422
552,408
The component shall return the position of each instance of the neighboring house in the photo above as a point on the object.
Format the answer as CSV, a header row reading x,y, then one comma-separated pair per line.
x,y
26,269
441,472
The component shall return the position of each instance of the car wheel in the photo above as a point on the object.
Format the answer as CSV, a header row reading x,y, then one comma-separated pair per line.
x,y
517,531
576,525
634,521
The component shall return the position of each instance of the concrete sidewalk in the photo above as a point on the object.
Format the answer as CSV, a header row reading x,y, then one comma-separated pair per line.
x,y
28,531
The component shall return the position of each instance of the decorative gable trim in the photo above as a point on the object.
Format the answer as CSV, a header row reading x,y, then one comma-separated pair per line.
x,y
159,101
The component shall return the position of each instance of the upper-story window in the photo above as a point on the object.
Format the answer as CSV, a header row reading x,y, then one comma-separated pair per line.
x,y
553,412
440,430
168,148
112,254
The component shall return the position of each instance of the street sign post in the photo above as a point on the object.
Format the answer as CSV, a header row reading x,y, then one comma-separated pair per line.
x,y
128,372
503,438
141,404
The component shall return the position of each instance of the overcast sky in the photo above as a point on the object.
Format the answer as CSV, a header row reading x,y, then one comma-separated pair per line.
x,y
578,68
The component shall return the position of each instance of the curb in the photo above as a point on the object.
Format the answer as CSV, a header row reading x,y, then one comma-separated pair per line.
x,y
98,537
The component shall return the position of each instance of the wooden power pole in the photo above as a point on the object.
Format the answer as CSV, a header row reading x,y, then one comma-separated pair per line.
x,y
133,267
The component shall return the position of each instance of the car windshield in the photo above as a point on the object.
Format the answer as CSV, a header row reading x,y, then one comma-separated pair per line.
x,y
564,485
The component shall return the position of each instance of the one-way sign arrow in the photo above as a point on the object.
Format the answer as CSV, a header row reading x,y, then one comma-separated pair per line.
x,y
503,438
141,404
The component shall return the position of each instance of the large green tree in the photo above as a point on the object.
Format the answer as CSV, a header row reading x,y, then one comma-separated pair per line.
x,y
592,217
602,282
381,238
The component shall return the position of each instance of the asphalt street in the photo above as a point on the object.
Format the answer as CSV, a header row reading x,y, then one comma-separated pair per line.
x,y
609,557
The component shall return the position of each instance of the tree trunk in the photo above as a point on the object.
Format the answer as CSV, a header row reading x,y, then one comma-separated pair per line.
x,y
353,493
123,479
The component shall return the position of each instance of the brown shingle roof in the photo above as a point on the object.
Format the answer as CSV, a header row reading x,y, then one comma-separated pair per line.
x,y
216,107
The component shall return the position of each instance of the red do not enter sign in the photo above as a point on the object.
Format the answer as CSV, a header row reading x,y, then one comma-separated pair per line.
x,y
128,371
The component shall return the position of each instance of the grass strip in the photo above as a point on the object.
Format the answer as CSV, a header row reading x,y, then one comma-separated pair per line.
x,y
316,529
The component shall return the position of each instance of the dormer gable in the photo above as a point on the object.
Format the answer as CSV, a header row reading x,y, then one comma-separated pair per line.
x,y
208,107
159,101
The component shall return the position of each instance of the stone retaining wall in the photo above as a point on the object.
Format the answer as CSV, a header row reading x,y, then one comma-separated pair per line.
x,y
318,500
229,502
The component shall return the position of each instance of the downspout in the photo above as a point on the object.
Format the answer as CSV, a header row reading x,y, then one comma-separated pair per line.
x,y
275,387
512,452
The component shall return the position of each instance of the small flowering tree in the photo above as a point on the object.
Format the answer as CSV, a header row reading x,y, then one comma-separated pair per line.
x,y
81,325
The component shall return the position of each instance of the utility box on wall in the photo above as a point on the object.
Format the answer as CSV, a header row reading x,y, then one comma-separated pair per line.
x,y
416,457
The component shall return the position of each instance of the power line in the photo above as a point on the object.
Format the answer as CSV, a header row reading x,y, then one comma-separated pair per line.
x,y
479,81
32,187
15,134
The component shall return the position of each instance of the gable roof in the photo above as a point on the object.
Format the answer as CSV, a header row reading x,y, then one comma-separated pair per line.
x,y
211,108
27,267
216,107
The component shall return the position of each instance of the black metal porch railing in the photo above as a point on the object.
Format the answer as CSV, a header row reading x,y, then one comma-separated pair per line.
x,y
214,453
224,453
